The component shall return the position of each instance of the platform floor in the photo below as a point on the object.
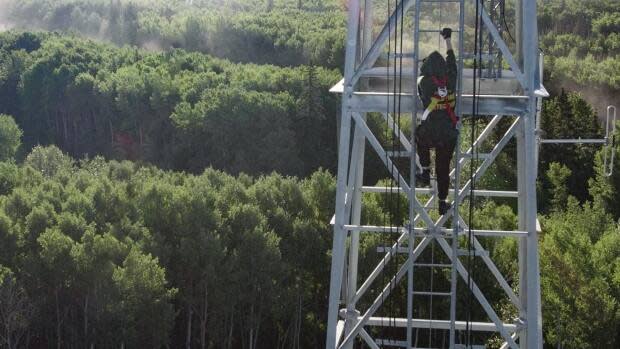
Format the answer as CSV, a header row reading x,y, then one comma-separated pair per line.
x,y
496,97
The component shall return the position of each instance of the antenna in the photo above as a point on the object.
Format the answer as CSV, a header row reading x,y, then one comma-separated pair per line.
x,y
608,142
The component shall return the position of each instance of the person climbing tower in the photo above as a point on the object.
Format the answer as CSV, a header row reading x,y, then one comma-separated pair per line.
x,y
438,124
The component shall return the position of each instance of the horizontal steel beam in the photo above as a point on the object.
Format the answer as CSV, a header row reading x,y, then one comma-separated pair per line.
x,y
401,250
493,233
445,232
439,324
475,156
574,141
393,343
428,191
375,228
487,104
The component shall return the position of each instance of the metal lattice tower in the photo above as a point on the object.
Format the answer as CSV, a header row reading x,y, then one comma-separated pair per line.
x,y
506,94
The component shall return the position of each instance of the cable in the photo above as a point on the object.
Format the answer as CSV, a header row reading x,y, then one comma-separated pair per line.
x,y
502,11
430,308
474,159
393,212
386,215
398,114
432,268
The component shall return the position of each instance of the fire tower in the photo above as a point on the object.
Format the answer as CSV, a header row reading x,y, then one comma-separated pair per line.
x,y
499,83
384,45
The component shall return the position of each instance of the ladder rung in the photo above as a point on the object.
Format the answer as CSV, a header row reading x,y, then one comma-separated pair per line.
x,y
389,56
404,54
392,343
384,249
400,154
375,228
455,1
382,190
432,265
475,253
434,30
427,293
390,74
479,155
484,56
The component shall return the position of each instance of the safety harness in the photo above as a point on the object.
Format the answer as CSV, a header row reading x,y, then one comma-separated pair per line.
x,y
442,99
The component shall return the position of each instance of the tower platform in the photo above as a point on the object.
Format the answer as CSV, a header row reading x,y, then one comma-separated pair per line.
x,y
501,96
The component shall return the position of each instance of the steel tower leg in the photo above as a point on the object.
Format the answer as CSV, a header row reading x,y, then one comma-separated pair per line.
x,y
530,62
531,337
357,161
340,234
357,180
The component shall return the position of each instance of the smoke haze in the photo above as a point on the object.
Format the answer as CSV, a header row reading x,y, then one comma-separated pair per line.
x,y
4,22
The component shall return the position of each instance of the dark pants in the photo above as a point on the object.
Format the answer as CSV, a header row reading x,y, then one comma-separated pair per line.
x,y
443,156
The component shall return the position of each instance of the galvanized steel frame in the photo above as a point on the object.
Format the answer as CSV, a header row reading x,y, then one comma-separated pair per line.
x,y
346,324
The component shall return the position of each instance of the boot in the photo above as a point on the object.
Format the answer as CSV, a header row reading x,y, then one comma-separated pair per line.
x,y
443,207
423,179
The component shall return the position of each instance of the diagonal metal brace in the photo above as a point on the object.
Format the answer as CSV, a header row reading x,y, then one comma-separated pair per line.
x,y
379,43
479,295
377,303
483,167
374,142
493,268
501,44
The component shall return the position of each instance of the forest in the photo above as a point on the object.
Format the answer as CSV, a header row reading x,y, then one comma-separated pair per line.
x,y
89,98
282,32
167,174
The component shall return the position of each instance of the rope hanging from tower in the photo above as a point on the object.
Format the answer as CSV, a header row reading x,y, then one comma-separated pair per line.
x,y
393,190
477,69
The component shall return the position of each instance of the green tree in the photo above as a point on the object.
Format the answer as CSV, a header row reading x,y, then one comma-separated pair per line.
x,y
259,121
256,261
96,257
144,301
194,34
16,311
9,177
57,270
579,307
48,160
10,137
557,175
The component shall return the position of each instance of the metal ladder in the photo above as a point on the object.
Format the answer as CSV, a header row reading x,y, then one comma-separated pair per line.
x,y
411,291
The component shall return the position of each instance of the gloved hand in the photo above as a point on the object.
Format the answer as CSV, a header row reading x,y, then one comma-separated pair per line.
x,y
446,33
